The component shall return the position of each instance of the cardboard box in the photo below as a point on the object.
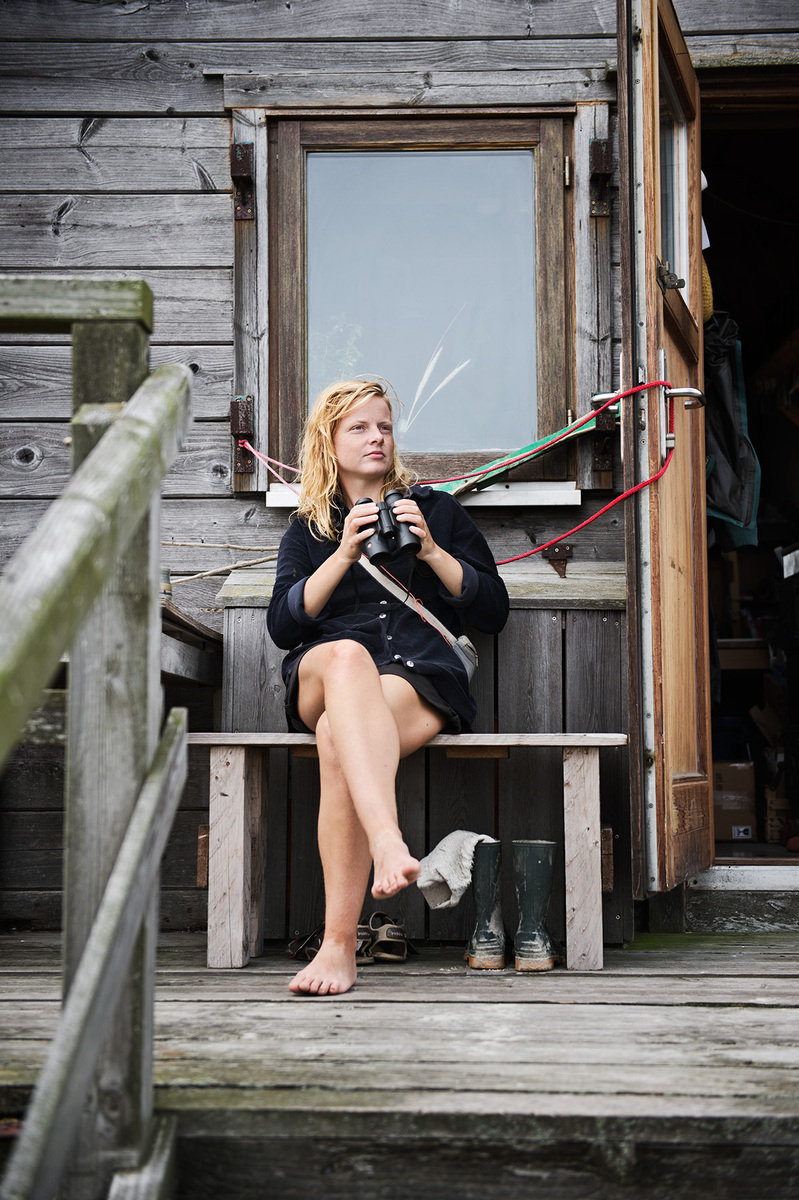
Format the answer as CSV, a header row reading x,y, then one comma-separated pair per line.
x,y
734,801
776,812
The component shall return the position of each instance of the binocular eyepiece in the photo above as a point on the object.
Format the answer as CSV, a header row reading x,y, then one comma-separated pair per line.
x,y
391,538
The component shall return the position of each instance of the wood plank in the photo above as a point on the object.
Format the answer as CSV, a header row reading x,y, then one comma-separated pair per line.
x,y
462,794
438,978
530,785
236,21
592,281
587,586
251,307
410,89
190,305
110,902
182,77
246,526
287,233
46,1141
582,851
190,662
37,460
758,47
181,909
101,154
60,232
33,777
596,698
155,1178
576,741
306,882
36,380
596,585
53,303
235,814
52,574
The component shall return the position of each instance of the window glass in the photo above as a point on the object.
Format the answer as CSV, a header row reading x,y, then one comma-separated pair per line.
x,y
673,180
421,269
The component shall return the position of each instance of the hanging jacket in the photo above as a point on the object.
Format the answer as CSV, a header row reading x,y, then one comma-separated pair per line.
x,y
733,471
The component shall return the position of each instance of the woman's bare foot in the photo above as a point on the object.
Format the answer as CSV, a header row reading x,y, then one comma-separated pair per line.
x,y
331,972
395,866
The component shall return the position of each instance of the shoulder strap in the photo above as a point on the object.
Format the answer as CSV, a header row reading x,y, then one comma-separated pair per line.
x,y
401,594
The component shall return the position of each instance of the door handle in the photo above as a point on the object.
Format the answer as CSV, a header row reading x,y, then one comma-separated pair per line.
x,y
696,398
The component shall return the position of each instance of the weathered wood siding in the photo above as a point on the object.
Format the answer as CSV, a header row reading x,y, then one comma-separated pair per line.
x,y
114,149
114,145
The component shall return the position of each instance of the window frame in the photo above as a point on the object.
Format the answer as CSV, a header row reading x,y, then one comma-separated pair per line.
x,y
292,136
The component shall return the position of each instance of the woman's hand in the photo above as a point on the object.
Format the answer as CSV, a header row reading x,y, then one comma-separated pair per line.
x,y
447,568
408,512
359,523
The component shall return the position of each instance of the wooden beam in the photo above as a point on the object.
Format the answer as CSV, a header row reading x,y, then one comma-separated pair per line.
x,y
190,662
582,849
573,741
156,1177
52,303
235,817
57,1105
51,582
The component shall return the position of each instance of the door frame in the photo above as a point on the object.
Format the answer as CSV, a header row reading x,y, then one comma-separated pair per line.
x,y
651,792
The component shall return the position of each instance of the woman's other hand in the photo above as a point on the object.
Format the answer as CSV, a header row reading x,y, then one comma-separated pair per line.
x,y
359,523
408,512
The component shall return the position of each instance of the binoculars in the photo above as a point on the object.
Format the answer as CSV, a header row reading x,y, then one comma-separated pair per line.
x,y
391,538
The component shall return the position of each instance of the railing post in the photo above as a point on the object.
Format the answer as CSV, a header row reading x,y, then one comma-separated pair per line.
x,y
114,715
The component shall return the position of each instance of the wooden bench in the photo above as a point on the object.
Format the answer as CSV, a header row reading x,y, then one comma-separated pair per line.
x,y
236,851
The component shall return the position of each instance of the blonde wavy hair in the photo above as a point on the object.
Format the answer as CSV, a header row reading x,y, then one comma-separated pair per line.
x,y
319,483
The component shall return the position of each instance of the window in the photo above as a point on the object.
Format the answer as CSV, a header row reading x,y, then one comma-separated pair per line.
x,y
673,181
429,251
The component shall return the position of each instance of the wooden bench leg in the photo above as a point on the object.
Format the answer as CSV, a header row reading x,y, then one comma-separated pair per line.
x,y
235,857
583,853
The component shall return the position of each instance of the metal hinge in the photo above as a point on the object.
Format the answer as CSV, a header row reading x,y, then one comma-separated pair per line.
x,y
604,437
558,556
666,277
241,172
600,160
241,428
567,172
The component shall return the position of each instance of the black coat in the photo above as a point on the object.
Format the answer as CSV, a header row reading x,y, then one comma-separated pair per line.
x,y
362,610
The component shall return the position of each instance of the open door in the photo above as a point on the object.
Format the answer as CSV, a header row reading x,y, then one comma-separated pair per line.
x,y
662,339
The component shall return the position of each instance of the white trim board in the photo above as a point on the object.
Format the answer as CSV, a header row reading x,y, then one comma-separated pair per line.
x,y
775,877
520,495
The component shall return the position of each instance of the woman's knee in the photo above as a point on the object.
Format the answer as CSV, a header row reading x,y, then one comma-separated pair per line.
x,y
345,653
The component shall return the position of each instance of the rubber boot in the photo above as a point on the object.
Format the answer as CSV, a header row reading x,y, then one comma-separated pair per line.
x,y
533,864
486,948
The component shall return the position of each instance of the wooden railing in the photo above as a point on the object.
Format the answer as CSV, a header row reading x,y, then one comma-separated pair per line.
x,y
87,581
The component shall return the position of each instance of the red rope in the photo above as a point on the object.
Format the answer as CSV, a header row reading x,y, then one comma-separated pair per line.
x,y
566,433
476,475
616,500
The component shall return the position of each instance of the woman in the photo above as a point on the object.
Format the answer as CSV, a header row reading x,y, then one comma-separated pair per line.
x,y
364,671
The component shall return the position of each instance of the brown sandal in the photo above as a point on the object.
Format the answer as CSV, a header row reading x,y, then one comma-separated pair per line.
x,y
389,939
307,946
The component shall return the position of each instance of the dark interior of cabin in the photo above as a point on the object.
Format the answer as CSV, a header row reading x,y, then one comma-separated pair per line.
x,y
749,210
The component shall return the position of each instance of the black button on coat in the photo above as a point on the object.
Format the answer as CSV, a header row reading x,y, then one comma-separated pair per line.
x,y
360,609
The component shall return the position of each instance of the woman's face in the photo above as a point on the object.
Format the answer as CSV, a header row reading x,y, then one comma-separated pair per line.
x,y
364,445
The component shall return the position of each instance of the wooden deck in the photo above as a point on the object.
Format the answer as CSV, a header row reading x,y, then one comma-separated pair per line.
x,y
674,1072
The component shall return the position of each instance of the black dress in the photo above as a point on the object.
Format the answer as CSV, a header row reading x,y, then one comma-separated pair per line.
x,y
393,633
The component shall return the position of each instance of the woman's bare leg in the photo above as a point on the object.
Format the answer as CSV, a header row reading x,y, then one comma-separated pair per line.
x,y
341,841
352,835
373,721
